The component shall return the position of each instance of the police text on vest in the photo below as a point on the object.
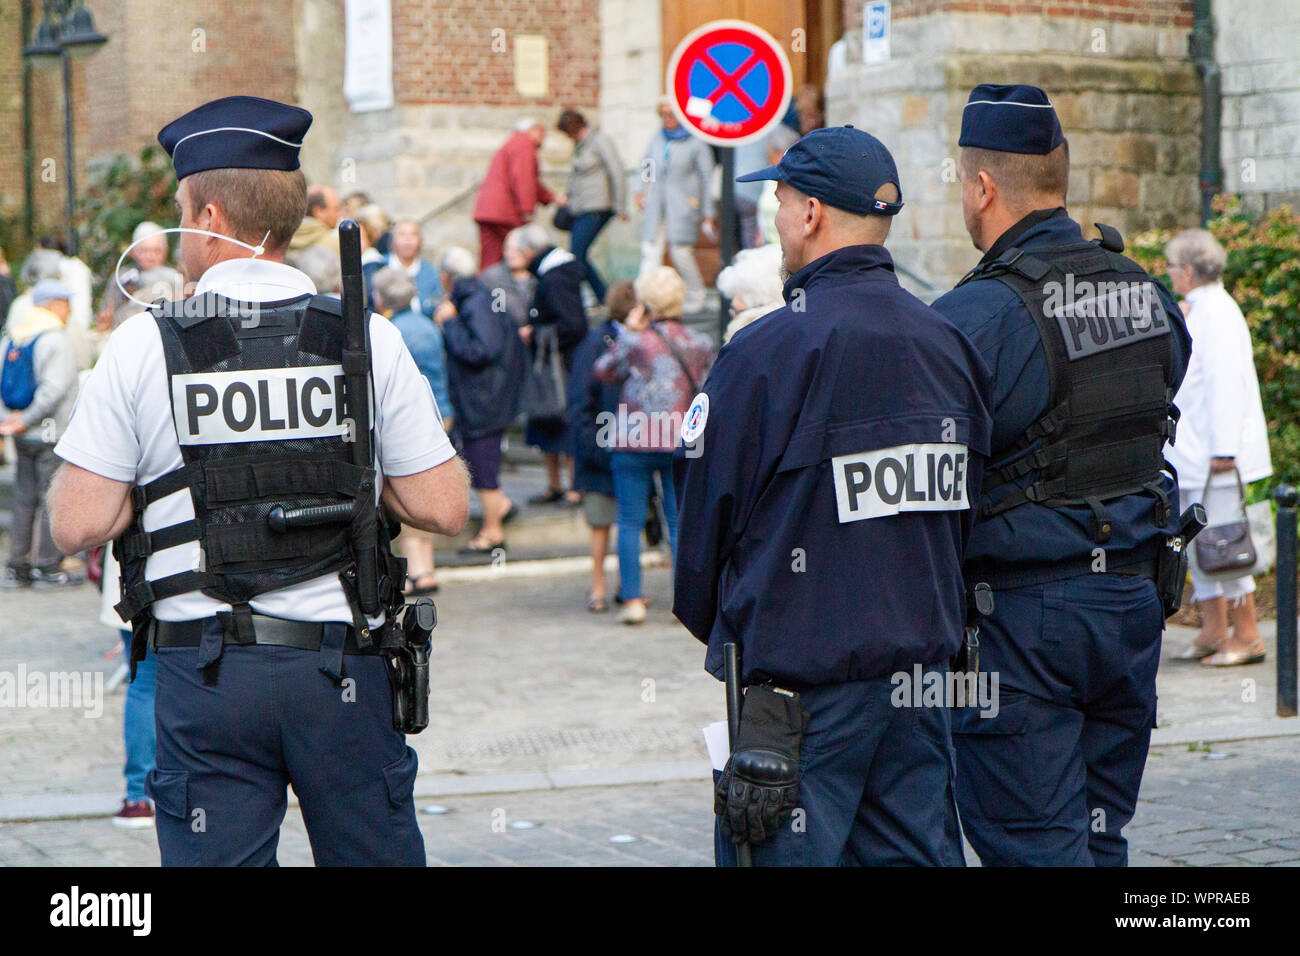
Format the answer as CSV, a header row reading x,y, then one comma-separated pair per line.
x,y
268,404
923,477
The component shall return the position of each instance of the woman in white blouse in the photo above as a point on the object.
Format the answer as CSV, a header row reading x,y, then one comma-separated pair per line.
x,y
1222,428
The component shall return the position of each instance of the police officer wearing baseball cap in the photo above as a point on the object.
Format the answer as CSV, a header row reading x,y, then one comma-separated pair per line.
x,y
199,420
1078,505
825,487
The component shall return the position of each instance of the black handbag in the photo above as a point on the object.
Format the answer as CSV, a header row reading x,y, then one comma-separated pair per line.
x,y
563,220
1226,547
543,399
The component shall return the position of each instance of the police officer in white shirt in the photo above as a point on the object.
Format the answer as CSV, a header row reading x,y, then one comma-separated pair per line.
x,y
197,421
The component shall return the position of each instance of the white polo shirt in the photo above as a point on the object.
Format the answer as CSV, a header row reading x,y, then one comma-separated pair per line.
x,y
122,428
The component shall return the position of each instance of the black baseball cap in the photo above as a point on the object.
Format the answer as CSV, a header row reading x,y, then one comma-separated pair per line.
x,y
840,165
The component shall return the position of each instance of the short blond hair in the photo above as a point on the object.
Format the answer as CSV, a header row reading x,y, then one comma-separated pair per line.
x,y
662,292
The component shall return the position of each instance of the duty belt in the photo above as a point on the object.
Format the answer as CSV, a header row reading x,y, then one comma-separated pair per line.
x,y
1002,579
304,635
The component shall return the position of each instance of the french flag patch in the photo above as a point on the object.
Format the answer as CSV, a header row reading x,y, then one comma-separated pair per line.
x,y
881,205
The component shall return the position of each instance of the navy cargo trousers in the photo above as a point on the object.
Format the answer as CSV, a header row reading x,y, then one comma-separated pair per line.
x,y
875,784
228,749
1053,778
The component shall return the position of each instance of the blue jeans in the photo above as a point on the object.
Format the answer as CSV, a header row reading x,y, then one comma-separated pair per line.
x,y
138,732
633,471
586,228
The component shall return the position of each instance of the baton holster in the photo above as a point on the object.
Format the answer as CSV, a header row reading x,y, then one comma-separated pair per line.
x,y
408,666
966,662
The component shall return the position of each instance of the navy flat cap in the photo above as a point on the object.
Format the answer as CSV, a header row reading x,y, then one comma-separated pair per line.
x,y
1010,119
841,166
236,132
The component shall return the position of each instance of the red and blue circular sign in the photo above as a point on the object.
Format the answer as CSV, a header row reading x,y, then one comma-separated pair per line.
x,y
729,82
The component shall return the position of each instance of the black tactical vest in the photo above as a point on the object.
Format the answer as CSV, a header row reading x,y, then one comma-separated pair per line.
x,y
259,409
1108,343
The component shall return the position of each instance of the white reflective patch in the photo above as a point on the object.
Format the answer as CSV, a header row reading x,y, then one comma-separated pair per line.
x,y
270,404
697,416
923,477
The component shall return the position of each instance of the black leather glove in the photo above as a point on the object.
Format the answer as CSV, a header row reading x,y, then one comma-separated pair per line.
x,y
760,784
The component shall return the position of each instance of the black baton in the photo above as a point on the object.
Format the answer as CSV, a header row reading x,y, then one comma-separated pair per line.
x,y
731,674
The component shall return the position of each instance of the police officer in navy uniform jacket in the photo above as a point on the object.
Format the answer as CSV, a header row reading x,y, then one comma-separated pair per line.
x,y
826,482
1077,499
197,420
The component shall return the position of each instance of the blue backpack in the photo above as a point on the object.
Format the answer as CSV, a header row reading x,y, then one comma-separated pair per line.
x,y
18,377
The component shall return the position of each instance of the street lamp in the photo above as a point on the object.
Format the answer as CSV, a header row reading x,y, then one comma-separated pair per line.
x,y
66,31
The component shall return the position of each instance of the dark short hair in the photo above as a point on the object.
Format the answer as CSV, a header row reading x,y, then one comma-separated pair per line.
x,y
52,241
570,122
620,299
317,198
1021,177
254,201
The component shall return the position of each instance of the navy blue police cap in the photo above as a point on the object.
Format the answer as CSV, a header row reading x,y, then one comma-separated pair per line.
x,y
236,132
841,166
1010,119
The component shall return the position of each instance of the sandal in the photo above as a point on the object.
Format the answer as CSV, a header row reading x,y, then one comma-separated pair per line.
x,y
1195,651
549,497
482,546
1251,655
416,589
597,605
511,514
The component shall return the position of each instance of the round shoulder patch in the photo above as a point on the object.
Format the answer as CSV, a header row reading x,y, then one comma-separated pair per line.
x,y
697,416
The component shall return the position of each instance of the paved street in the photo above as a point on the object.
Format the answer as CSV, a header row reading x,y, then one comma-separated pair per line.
x,y
544,713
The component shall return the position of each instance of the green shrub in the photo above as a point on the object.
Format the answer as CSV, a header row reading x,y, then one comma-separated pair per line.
x,y
1263,276
127,192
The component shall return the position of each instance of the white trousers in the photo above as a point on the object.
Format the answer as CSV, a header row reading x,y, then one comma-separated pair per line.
x,y
683,257
1221,506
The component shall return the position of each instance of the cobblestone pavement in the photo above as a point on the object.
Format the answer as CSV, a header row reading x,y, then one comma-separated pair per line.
x,y
530,687
1194,811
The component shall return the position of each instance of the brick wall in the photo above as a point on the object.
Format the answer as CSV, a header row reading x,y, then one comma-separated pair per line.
x,y
1117,71
462,51
1142,12
456,103
11,110
163,57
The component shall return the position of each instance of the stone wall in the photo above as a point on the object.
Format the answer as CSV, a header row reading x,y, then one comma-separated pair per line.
x,y
1256,48
1125,90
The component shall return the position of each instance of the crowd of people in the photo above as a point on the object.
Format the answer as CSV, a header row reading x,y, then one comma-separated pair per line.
x,y
600,375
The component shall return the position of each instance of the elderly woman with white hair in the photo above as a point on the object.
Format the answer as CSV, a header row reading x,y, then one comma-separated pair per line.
x,y
1222,438
148,279
753,284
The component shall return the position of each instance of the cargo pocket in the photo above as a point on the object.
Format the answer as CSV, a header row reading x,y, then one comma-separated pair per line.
x,y
170,792
996,765
178,842
400,779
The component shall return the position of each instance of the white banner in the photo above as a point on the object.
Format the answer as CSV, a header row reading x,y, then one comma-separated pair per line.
x,y
368,65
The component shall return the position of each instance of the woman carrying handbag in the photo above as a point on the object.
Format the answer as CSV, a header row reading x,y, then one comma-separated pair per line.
x,y
1221,446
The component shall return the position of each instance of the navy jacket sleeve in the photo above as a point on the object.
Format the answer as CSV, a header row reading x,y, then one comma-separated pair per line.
x,y
475,338
715,488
